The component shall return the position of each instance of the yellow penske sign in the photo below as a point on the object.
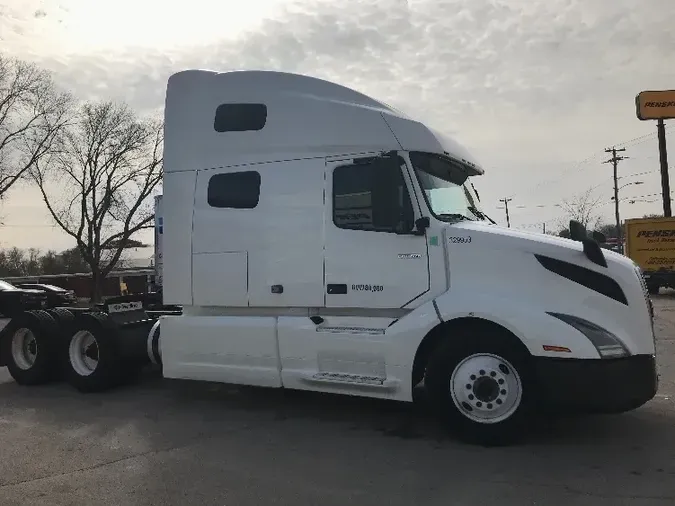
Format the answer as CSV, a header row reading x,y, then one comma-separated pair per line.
x,y
650,242
655,105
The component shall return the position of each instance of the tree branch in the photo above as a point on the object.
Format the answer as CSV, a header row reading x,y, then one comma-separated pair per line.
x,y
32,111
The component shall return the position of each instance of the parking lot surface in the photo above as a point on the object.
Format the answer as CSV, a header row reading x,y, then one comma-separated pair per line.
x,y
164,443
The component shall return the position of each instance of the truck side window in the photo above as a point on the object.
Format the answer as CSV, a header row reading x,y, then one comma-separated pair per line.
x,y
234,190
240,117
372,196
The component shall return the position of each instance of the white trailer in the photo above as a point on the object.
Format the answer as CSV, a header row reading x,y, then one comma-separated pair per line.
x,y
318,239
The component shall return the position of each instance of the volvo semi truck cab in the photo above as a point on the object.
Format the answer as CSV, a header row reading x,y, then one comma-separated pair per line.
x,y
319,239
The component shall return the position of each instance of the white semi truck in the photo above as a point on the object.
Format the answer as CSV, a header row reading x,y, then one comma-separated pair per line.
x,y
159,235
318,239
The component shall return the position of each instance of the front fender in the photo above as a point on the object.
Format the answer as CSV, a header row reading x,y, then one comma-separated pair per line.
x,y
527,321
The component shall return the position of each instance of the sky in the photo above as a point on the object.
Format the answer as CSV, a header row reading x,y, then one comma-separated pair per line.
x,y
536,89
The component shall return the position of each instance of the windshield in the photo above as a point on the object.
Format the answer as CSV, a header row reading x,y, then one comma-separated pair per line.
x,y
448,192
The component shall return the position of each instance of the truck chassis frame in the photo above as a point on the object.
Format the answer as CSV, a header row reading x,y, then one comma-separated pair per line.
x,y
92,348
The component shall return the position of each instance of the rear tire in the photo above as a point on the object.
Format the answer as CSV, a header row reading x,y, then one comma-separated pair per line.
x,y
92,358
65,320
63,316
30,346
480,384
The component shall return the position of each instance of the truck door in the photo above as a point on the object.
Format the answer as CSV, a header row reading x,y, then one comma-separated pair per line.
x,y
372,258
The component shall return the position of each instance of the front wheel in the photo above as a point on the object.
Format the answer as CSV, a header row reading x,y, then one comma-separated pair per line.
x,y
480,386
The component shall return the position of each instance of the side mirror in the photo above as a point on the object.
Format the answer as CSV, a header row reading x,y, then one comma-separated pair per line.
x,y
421,225
419,228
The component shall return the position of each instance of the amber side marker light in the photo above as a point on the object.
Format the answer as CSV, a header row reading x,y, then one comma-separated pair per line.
x,y
548,347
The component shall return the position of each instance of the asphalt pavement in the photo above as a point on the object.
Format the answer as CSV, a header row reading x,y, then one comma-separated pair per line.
x,y
159,442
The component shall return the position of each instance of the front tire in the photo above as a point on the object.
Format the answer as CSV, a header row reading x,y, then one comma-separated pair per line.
x,y
481,385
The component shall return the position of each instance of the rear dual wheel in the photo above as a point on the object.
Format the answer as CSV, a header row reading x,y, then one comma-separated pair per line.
x,y
93,361
42,346
30,347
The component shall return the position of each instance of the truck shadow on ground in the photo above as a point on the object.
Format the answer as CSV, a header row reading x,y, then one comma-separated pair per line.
x,y
157,400
416,420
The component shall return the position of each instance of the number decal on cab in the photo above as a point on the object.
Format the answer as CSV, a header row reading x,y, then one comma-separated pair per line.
x,y
367,288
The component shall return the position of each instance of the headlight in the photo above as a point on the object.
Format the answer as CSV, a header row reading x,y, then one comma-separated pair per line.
x,y
643,277
607,344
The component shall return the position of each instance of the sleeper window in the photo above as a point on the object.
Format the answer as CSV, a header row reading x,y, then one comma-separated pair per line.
x,y
240,117
236,190
372,196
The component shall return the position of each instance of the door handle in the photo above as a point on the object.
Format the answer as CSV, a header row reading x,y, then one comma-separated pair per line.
x,y
336,289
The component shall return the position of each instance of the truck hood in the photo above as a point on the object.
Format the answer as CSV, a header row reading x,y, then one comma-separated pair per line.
x,y
498,237
530,274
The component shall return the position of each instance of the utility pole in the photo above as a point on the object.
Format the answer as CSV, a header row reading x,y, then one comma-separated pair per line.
x,y
544,226
615,161
663,158
506,206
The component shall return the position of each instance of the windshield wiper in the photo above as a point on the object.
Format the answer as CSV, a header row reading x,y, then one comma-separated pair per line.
x,y
481,214
456,216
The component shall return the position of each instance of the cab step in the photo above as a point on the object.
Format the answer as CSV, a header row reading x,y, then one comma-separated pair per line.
x,y
356,380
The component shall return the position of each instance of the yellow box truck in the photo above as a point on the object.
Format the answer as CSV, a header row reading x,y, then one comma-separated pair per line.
x,y
650,243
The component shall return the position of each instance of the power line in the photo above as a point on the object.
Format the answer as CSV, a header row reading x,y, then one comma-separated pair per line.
x,y
608,180
541,225
577,166
640,140
642,196
637,140
633,201
541,222
640,173
580,165
634,198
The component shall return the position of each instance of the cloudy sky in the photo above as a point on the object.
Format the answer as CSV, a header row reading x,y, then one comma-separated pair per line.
x,y
537,89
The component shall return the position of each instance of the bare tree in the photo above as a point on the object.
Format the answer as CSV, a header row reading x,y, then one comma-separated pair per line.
x,y
583,208
32,111
98,180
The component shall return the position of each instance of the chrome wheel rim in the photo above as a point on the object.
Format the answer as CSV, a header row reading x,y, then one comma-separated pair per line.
x,y
83,353
24,348
486,388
